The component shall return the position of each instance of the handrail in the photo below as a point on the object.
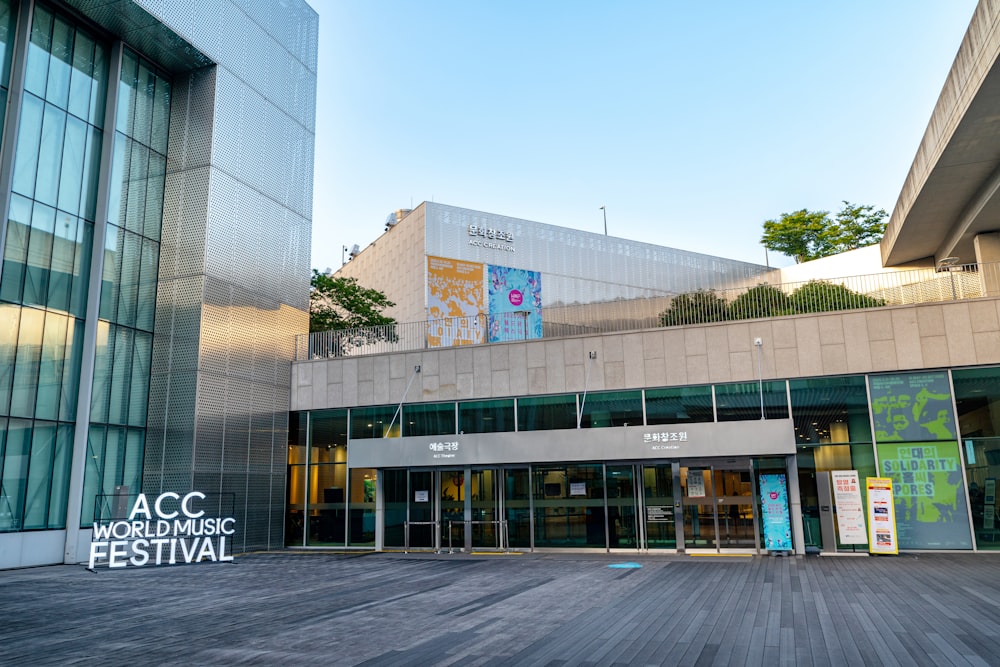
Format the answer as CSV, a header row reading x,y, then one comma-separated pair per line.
x,y
754,299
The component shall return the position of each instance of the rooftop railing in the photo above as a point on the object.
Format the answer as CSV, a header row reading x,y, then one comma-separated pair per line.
x,y
878,290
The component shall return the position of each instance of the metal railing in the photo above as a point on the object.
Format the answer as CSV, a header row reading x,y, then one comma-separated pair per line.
x,y
501,534
753,300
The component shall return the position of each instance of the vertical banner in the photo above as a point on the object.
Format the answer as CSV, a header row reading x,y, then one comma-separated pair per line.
x,y
515,299
774,508
850,512
454,302
881,517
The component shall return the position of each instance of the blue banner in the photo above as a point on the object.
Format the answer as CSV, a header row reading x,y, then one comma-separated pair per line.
x,y
774,508
515,303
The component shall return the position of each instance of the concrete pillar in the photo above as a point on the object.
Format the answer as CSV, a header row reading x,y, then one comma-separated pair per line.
x,y
988,257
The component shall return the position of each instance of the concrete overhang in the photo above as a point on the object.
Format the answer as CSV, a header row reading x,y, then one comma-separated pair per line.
x,y
950,193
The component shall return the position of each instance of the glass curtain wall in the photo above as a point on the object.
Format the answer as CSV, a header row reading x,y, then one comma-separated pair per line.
x,y
128,284
46,262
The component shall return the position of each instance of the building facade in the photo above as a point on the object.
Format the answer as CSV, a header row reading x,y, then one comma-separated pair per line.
x,y
156,177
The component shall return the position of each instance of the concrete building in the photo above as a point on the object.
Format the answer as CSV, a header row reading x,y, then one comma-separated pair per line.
x,y
714,436
156,180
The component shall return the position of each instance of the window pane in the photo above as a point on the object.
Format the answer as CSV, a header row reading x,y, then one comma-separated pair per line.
x,y
29,136
486,416
129,282
50,155
569,505
742,400
830,410
15,473
131,474
38,52
544,413
913,407
50,373
126,93
611,408
102,374
145,87
161,117
81,268
146,296
114,240
80,79
679,405
43,444
121,375
16,250
139,386
135,211
71,371
429,419
977,396
373,422
57,86
10,316
118,189
8,21
91,171
329,429
98,86
36,274
154,196
74,152
92,475
63,260
29,347
60,477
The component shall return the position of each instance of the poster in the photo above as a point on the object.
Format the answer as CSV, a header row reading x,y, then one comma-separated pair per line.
x,y
774,507
421,496
928,489
515,304
912,407
454,302
578,488
850,512
696,484
881,517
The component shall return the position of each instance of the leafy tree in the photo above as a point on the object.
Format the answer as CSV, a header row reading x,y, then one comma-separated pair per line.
x,y
761,301
819,296
694,308
341,303
807,235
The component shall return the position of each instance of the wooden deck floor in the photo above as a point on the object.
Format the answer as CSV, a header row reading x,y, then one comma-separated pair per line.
x,y
566,609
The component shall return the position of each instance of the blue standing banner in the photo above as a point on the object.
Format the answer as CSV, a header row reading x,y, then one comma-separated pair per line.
x,y
774,508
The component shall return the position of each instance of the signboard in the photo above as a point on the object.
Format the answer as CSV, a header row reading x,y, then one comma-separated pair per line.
x,y
774,507
881,517
170,531
421,496
696,484
454,302
659,513
515,301
850,512
578,489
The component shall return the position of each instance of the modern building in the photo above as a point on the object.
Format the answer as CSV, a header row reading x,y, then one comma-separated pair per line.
x,y
659,437
156,184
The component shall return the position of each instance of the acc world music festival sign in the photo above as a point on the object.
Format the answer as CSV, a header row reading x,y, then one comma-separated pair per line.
x,y
168,533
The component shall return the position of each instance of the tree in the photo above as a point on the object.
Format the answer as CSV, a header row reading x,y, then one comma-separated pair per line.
x,y
761,301
694,308
807,235
819,296
337,303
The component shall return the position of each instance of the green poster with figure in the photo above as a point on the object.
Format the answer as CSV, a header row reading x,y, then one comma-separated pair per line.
x,y
912,407
928,494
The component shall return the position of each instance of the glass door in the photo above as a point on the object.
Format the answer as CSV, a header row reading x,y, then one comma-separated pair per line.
x,y
420,533
486,503
620,486
453,509
658,500
718,506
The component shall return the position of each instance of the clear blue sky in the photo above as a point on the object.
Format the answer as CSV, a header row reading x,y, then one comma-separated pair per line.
x,y
693,122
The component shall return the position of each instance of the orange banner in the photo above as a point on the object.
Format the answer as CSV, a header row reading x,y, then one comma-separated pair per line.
x,y
454,302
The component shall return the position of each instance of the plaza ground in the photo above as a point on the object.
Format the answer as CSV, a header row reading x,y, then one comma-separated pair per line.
x,y
535,609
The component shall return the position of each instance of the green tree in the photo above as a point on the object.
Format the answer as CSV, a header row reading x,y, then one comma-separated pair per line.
x,y
694,308
761,301
341,303
807,235
819,296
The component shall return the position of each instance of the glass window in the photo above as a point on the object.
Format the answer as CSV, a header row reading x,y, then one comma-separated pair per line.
x,y
569,505
36,274
679,405
16,250
50,373
50,155
36,502
611,408
428,419
29,348
361,509
10,317
374,422
329,429
830,410
139,384
14,477
74,151
741,401
57,84
486,416
38,51
59,489
977,397
81,77
544,413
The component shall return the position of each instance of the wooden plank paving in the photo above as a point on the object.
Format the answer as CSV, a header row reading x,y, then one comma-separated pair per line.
x,y
534,609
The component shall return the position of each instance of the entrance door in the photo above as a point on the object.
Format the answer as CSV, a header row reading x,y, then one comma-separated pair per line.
x,y
486,492
422,516
453,494
718,506
658,503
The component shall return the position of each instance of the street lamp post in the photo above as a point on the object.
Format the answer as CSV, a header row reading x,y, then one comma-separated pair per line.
x,y
605,220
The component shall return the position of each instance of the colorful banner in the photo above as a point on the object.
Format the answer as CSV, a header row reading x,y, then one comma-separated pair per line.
x,y
774,507
454,302
850,512
515,298
930,510
881,517
912,407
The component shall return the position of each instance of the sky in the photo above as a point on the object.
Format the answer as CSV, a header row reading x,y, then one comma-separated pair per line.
x,y
691,122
